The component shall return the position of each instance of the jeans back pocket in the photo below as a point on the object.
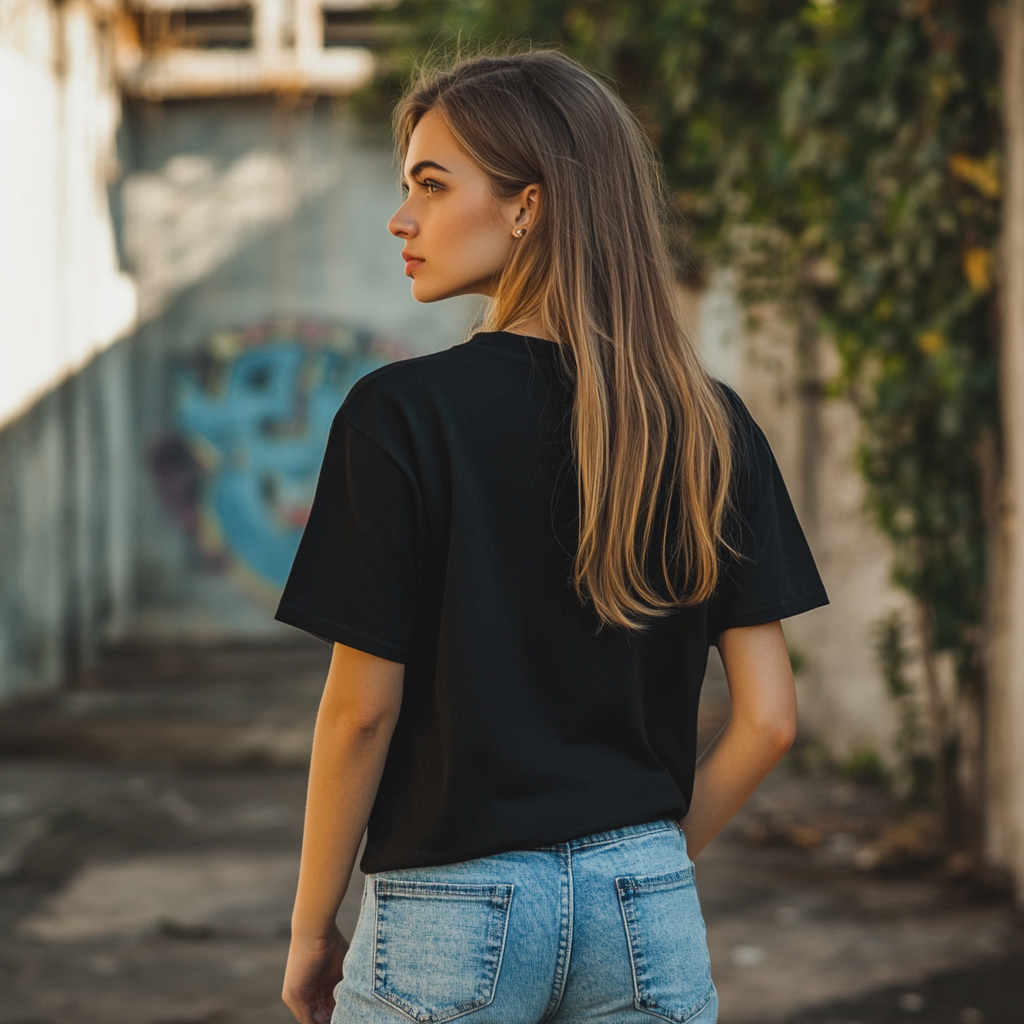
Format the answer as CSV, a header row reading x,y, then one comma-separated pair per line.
x,y
438,946
667,944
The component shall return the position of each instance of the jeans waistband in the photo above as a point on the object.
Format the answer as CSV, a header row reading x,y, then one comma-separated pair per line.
x,y
613,836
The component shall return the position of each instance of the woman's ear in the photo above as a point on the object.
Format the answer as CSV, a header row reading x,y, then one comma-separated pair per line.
x,y
524,208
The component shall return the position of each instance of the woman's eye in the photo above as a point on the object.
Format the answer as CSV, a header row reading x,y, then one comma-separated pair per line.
x,y
429,186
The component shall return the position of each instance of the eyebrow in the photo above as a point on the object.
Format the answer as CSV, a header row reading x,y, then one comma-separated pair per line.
x,y
424,164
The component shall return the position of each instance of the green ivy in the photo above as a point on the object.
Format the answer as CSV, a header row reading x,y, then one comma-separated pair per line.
x,y
916,770
845,157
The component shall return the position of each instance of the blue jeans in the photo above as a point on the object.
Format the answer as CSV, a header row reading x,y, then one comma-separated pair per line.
x,y
604,928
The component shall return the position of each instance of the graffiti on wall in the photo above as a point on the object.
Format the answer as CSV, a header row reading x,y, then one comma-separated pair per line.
x,y
253,410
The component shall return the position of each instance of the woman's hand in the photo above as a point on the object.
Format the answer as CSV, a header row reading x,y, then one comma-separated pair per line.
x,y
314,968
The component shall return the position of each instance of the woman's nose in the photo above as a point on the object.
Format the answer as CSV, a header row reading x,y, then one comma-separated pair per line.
x,y
402,225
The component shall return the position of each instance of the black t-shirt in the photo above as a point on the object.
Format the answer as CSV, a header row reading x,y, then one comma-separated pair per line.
x,y
442,536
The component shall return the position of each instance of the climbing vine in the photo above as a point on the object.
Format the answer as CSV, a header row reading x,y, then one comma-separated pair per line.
x,y
844,154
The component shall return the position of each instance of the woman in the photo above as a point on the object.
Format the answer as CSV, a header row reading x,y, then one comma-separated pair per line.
x,y
521,548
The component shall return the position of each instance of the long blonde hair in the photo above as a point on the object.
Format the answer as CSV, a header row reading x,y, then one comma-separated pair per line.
x,y
650,428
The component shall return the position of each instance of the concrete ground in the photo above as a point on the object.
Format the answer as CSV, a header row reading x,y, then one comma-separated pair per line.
x,y
149,844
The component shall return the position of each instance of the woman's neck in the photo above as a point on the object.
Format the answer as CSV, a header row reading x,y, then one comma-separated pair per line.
x,y
533,328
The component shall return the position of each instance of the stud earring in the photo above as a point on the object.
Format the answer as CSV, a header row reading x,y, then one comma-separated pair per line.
x,y
519,232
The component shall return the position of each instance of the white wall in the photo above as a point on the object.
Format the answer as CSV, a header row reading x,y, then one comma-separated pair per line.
x,y
66,484
62,295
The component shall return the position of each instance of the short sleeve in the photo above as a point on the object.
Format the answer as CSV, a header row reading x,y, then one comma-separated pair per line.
x,y
772,575
354,576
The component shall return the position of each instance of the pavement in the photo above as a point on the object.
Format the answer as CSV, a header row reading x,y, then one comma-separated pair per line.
x,y
149,837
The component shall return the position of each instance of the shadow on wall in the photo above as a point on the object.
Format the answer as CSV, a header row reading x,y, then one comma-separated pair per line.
x,y
253,409
66,527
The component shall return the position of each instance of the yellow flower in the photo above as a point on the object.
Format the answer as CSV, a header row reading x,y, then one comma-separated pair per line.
x,y
977,266
982,174
931,342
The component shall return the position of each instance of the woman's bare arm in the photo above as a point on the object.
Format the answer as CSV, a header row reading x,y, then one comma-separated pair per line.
x,y
357,717
761,728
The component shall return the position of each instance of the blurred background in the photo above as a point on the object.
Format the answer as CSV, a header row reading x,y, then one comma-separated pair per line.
x,y
194,269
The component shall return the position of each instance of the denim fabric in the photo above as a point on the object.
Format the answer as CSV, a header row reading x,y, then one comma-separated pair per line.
x,y
604,928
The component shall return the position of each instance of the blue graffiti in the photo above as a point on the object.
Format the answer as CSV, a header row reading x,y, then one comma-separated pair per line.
x,y
259,433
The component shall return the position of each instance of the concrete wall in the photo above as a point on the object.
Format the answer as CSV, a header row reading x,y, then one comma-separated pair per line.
x,y
65,520
842,695
63,296
66,528
1004,710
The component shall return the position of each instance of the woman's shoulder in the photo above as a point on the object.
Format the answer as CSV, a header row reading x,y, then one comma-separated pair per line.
x,y
394,398
404,379
736,406
405,374
743,427
753,459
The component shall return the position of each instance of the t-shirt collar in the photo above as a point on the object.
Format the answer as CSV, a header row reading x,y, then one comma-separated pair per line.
x,y
522,345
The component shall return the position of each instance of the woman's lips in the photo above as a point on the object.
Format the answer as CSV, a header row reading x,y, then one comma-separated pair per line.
x,y
412,264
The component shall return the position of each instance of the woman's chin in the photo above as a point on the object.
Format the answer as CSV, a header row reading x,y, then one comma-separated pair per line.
x,y
423,292
429,286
